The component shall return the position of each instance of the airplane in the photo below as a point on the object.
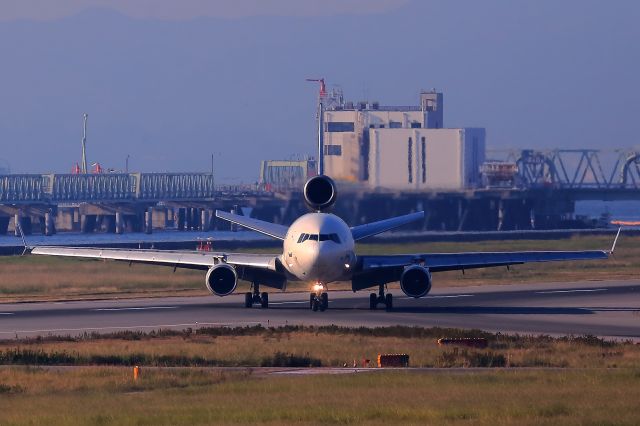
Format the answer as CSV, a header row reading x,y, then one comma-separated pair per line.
x,y
319,248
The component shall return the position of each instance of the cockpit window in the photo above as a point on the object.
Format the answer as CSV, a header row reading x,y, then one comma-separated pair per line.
x,y
320,237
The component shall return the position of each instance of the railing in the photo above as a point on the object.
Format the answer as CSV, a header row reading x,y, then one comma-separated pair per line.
x,y
72,188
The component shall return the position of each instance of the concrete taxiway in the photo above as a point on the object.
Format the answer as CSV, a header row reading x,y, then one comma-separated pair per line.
x,y
608,309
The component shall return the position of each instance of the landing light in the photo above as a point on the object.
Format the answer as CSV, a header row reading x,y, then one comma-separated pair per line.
x,y
318,287
346,265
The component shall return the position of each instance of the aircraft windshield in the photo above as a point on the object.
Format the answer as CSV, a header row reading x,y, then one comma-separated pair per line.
x,y
319,237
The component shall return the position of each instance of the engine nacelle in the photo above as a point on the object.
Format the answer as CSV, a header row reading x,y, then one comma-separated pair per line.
x,y
415,281
320,192
222,279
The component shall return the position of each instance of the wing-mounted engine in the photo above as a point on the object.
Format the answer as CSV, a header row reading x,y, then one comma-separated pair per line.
x,y
320,192
222,279
415,281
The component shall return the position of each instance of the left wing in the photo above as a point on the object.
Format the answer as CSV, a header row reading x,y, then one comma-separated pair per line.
x,y
438,262
363,231
376,269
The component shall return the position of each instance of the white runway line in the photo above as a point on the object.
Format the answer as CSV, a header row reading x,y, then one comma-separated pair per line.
x,y
447,296
133,327
146,308
7,313
586,290
287,303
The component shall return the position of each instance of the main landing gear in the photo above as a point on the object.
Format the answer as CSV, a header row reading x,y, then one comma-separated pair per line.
x,y
319,299
255,297
375,299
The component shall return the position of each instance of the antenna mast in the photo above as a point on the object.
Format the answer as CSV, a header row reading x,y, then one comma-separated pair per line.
x,y
321,97
84,143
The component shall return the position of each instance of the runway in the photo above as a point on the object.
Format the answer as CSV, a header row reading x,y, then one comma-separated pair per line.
x,y
609,309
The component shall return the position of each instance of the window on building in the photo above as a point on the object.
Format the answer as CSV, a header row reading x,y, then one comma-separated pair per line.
x,y
410,159
340,126
333,150
395,125
416,125
424,159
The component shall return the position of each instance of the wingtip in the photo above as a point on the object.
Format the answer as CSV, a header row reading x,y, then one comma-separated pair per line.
x,y
615,241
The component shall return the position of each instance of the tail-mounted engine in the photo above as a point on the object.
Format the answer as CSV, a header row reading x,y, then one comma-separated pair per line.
x,y
320,192
415,281
222,279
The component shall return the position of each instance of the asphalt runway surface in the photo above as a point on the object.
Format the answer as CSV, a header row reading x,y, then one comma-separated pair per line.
x,y
608,309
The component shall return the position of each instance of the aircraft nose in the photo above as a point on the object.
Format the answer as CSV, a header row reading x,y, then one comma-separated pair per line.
x,y
318,256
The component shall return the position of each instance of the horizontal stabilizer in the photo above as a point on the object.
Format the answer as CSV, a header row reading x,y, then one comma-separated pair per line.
x,y
271,229
374,228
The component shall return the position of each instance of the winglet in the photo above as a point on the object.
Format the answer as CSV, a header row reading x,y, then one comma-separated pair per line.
x,y
613,246
24,240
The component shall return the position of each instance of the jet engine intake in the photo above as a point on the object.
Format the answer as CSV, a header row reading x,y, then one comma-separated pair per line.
x,y
415,281
320,192
222,279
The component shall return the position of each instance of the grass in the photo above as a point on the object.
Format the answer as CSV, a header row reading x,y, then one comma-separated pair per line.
x,y
298,346
46,278
603,388
107,395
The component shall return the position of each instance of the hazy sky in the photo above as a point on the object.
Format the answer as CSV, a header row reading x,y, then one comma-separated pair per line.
x,y
189,9
171,82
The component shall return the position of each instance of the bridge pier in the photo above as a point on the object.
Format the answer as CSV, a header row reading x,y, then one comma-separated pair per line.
x,y
25,222
49,224
148,221
88,223
205,220
4,224
181,219
119,223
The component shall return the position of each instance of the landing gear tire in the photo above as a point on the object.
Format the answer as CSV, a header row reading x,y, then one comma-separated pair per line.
x,y
388,299
373,301
312,297
324,301
248,299
264,300
315,305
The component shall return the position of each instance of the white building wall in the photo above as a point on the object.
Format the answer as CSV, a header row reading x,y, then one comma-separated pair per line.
x,y
450,159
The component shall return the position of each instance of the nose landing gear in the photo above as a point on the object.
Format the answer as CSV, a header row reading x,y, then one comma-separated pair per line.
x,y
375,299
318,300
255,297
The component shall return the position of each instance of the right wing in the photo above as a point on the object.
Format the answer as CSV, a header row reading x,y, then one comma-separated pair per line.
x,y
271,229
265,268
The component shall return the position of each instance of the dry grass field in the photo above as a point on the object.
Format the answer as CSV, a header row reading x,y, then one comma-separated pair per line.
x,y
593,382
107,395
46,278
328,346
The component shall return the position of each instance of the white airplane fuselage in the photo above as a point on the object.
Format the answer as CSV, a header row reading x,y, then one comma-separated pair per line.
x,y
319,248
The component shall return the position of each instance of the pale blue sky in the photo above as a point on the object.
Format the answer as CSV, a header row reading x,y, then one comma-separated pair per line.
x,y
169,87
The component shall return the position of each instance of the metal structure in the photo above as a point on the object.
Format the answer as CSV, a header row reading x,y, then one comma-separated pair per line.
x,y
285,175
72,188
579,169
